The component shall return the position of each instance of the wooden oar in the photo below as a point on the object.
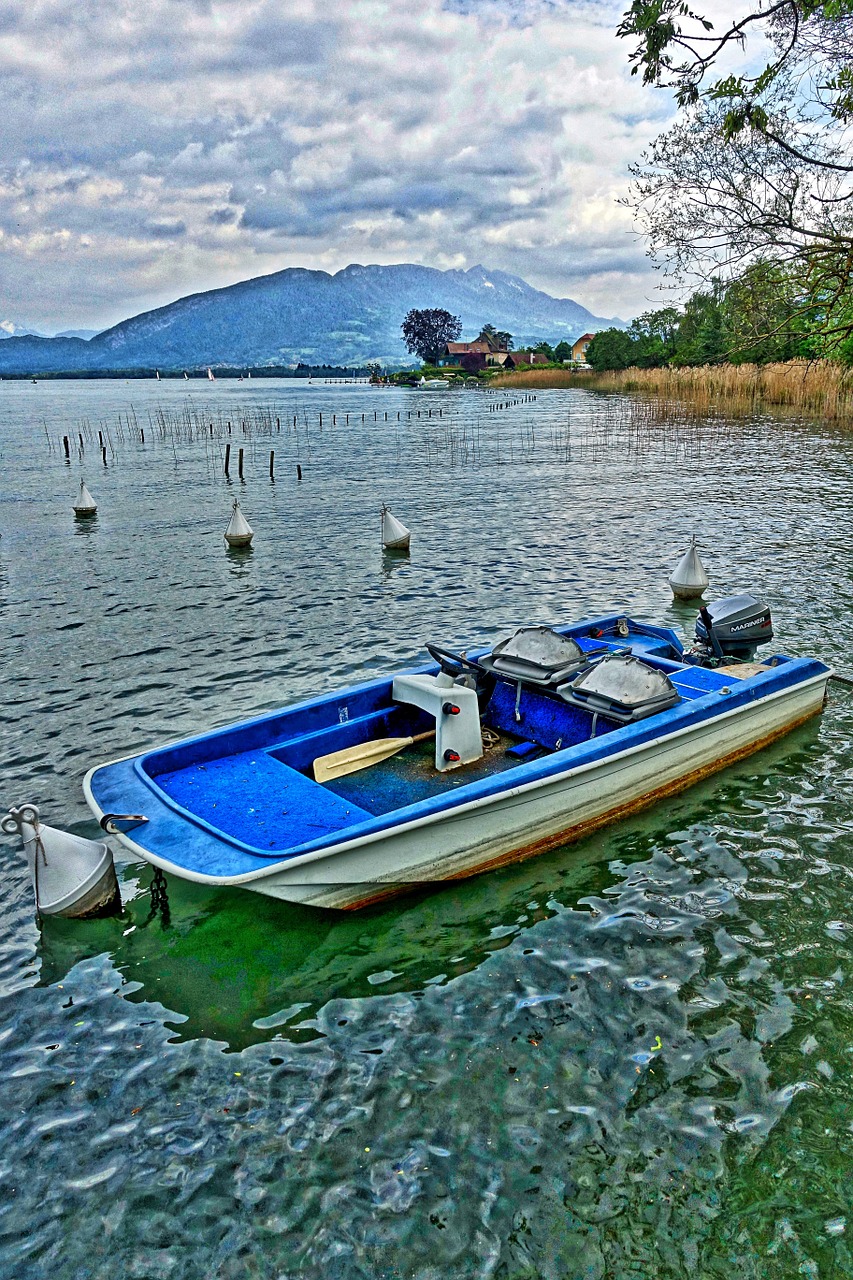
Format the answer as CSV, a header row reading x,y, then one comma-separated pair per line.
x,y
339,763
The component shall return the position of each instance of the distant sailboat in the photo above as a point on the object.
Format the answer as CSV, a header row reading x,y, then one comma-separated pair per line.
x,y
249,373
186,376
210,374
157,374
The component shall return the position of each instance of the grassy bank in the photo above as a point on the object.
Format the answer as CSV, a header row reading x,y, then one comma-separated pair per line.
x,y
817,389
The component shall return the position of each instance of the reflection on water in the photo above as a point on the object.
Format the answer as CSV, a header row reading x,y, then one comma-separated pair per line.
x,y
229,962
85,526
626,1058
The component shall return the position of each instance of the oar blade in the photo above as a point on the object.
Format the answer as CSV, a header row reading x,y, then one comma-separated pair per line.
x,y
339,763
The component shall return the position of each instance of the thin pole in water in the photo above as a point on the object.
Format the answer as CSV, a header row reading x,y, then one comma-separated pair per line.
x,y
66,447
272,465
240,463
227,457
298,472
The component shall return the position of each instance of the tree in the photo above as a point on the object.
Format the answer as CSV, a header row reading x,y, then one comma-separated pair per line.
x,y
562,351
497,339
545,349
656,334
759,168
611,349
426,333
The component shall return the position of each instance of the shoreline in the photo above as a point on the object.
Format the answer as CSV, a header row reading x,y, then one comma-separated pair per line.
x,y
816,388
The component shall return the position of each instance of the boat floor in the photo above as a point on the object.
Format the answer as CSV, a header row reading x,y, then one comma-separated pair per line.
x,y
411,776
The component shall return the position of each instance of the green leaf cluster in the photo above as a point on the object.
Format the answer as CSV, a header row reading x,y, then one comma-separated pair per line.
x,y
765,315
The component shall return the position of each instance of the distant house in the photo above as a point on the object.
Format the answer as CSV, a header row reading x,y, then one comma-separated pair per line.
x,y
520,359
491,352
454,351
579,347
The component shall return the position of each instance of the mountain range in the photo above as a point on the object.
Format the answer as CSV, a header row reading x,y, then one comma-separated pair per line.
x,y
9,329
309,317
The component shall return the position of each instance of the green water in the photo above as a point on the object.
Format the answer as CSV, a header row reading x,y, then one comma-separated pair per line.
x,y
627,1058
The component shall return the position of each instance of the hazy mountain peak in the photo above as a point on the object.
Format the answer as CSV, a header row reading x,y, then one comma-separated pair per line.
x,y
302,315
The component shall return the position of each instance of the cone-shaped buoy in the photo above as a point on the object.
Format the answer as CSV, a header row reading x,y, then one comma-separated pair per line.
x,y
395,536
71,876
239,532
85,504
689,579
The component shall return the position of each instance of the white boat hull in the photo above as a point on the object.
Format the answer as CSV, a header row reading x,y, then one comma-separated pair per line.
x,y
527,819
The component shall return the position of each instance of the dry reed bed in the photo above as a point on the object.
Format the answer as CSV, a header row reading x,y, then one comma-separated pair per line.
x,y
819,389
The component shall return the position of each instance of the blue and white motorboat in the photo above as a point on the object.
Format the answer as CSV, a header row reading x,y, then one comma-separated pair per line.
x,y
464,764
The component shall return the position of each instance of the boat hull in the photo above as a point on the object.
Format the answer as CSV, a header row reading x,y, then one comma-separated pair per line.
x,y
526,819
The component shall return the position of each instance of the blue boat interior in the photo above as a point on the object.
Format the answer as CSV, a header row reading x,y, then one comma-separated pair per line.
x,y
252,784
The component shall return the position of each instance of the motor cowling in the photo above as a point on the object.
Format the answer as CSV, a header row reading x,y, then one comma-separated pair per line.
x,y
734,627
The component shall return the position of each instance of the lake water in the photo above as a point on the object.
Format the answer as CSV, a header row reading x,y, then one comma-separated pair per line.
x,y
628,1058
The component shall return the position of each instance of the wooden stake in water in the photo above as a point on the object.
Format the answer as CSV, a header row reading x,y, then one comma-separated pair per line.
x,y
298,472
227,456
104,455
240,463
272,465
66,447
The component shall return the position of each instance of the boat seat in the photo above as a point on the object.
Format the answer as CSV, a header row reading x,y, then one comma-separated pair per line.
x,y
539,656
258,800
621,687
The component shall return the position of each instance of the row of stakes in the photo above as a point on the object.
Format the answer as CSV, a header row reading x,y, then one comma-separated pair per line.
x,y
689,580
239,534
427,413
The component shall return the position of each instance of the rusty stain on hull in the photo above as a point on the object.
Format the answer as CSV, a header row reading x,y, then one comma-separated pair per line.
x,y
572,834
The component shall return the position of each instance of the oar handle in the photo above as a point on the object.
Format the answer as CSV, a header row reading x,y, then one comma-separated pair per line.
x,y
422,737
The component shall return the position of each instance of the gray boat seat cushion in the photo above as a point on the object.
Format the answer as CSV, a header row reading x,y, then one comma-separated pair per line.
x,y
537,654
621,686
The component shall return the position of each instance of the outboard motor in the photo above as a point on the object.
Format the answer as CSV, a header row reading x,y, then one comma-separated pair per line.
x,y
732,628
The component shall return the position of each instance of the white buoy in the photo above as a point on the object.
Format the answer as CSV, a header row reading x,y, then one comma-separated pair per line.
x,y
239,532
85,504
395,536
71,876
689,579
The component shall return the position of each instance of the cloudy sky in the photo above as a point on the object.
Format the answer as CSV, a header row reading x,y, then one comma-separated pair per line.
x,y
154,149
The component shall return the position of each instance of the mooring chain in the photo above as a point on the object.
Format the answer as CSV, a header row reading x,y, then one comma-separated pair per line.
x,y
159,899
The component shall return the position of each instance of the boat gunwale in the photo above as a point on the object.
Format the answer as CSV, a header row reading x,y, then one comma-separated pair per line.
x,y
457,811
439,803
486,788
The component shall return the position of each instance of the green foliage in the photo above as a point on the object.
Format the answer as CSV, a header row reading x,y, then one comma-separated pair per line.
x,y
611,349
766,314
545,349
754,177
562,351
426,333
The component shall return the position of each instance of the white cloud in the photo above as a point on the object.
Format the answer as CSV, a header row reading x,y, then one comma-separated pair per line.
x,y
154,150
